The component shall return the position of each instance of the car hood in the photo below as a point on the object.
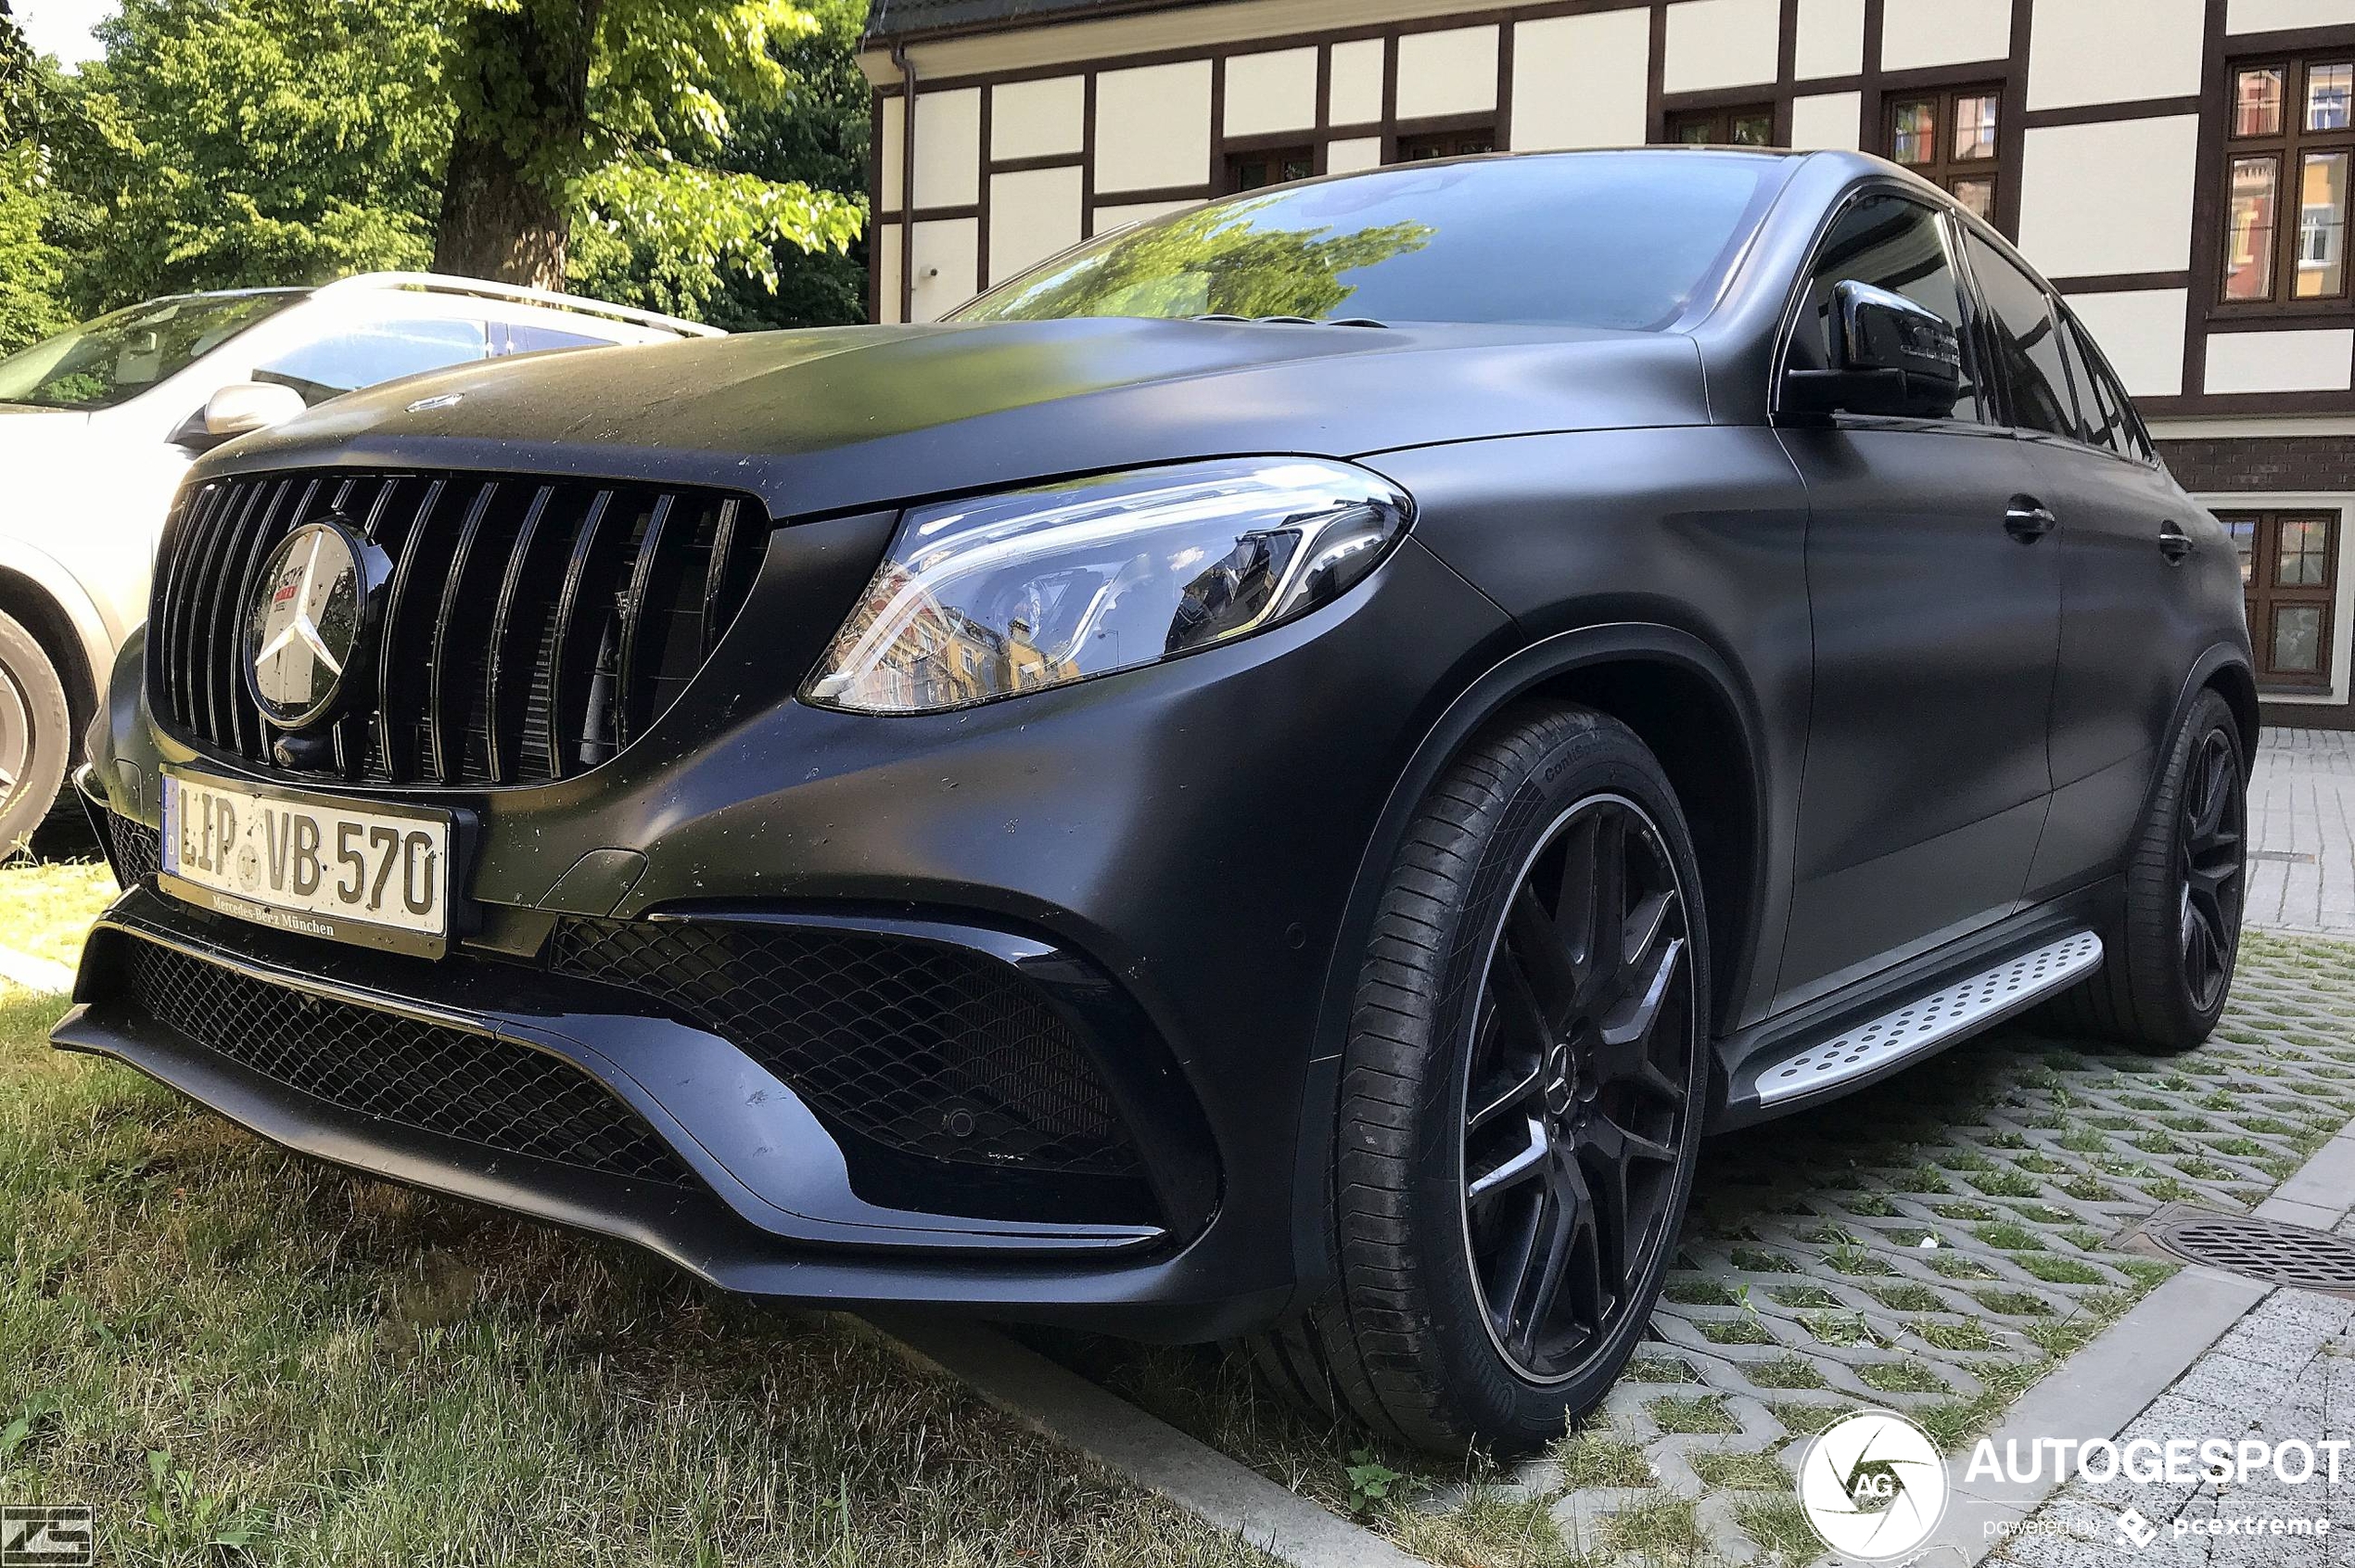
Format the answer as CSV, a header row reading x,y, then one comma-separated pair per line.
x,y
846,417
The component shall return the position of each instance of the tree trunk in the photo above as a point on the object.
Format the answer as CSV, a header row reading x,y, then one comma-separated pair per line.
x,y
522,81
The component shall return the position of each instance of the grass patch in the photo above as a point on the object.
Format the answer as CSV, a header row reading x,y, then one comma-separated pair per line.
x,y
350,1372
1783,1372
1740,1473
1901,1377
1703,1413
1599,1458
46,906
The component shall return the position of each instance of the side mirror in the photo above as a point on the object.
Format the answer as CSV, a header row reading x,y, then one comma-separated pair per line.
x,y
1890,356
239,409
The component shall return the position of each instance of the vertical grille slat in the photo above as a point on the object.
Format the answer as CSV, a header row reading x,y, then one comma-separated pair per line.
x,y
630,667
533,625
443,716
570,675
506,682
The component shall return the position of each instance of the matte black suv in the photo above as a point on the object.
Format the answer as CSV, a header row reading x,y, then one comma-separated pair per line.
x,y
1272,777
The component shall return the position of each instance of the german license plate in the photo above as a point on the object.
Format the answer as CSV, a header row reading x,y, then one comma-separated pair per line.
x,y
371,874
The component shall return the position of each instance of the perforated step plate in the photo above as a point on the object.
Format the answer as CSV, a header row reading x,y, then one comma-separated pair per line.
x,y
1927,1023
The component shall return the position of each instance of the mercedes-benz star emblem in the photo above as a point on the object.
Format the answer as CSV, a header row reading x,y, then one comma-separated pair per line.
x,y
304,634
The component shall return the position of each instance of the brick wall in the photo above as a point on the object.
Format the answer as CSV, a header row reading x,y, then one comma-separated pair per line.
x,y
2292,465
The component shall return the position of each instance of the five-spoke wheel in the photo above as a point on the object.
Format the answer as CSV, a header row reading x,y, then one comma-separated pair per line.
x,y
2214,813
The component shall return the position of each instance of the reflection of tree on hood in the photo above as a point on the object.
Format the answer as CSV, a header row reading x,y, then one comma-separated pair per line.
x,y
1216,261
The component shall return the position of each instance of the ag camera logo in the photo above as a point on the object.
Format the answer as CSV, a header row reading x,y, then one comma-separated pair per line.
x,y
1873,1486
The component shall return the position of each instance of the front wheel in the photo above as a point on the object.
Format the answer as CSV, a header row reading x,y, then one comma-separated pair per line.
x,y
1522,1096
2169,968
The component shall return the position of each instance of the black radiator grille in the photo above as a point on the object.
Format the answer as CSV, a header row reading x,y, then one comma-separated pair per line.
x,y
475,1087
532,629
923,1049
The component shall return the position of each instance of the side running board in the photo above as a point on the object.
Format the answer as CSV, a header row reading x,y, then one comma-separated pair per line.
x,y
1924,1025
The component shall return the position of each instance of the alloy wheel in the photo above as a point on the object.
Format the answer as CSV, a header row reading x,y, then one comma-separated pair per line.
x,y
2210,860
1576,1104
16,736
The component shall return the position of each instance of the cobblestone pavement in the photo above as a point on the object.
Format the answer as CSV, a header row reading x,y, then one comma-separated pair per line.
x,y
2287,1372
1937,1243
2301,871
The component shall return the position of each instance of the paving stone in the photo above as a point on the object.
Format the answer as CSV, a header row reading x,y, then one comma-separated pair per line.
x,y
2301,822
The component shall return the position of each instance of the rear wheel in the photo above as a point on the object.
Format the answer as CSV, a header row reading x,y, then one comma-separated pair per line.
x,y
1522,1096
2169,968
36,736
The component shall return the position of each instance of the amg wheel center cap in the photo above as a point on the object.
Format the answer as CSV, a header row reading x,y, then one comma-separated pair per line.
x,y
305,631
1562,1081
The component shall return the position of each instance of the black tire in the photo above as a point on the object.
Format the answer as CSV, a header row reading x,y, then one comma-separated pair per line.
x,y
36,736
2161,986
1407,1342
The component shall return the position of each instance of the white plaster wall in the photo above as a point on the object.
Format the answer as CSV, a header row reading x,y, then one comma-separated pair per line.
x,y
2109,197
887,271
1152,126
2078,52
1924,32
1721,44
1578,81
2267,15
1032,215
1042,118
1355,96
2280,361
2141,333
948,147
945,251
1450,72
1120,215
1827,119
895,131
1349,153
1831,38
1271,92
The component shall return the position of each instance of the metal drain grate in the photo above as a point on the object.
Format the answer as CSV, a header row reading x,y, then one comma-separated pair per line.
x,y
2253,1248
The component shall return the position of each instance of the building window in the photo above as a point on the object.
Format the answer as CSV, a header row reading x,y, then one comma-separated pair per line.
x,y
1750,125
2290,569
1267,166
1447,144
2286,180
1948,138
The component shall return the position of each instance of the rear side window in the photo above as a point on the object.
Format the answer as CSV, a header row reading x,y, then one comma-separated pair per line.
x,y
2101,400
520,338
349,359
1892,243
2026,340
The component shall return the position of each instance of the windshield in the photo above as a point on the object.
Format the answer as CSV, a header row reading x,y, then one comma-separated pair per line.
x,y
1617,239
115,358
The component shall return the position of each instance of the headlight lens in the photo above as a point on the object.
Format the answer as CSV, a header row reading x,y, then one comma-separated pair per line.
x,y
1015,593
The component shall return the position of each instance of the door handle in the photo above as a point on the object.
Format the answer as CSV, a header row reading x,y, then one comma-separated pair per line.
x,y
2174,544
2029,520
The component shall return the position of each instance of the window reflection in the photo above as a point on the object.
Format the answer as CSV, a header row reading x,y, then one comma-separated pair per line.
x,y
2305,553
2249,258
1979,195
2322,226
2329,88
1915,133
2257,102
1975,127
2297,637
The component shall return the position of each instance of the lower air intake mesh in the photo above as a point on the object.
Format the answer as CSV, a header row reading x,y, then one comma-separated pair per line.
x,y
452,1082
924,1050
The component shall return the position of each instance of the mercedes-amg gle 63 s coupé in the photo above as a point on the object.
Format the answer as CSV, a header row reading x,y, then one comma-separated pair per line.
x,y
1271,777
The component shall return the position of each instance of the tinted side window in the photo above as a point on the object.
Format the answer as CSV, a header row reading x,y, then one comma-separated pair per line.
x,y
2120,428
2025,342
2093,423
520,338
1894,243
362,356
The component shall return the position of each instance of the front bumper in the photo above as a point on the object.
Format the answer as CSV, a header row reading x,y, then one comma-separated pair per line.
x,y
1167,852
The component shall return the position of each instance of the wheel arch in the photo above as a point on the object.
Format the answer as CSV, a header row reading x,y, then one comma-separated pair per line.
x,y
1683,700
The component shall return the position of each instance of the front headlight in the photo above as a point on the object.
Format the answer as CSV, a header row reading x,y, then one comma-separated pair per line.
x,y
1012,592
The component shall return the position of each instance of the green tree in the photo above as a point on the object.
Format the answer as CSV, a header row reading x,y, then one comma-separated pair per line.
x,y
613,119
32,270
234,143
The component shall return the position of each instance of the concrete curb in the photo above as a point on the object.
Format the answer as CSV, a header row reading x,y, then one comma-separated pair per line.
x,y
34,974
2094,1394
1156,1456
